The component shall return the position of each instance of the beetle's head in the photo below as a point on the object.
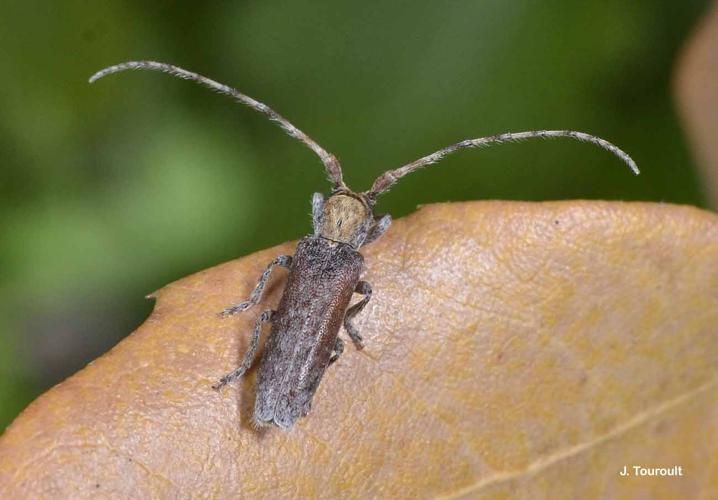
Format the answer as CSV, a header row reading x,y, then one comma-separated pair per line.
x,y
346,217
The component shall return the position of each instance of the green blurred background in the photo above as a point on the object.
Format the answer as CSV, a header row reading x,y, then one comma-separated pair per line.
x,y
111,191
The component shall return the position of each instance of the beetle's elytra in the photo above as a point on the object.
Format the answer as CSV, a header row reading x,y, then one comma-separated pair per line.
x,y
325,270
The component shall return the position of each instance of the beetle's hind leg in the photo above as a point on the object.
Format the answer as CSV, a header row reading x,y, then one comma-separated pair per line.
x,y
363,288
256,295
249,355
338,350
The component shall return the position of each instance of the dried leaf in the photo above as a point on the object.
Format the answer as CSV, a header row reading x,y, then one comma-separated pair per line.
x,y
513,349
696,89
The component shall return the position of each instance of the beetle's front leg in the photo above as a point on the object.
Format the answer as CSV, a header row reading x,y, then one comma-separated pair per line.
x,y
363,288
283,261
249,355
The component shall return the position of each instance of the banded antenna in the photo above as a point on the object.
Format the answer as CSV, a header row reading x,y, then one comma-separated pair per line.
x,y
331,164
388,178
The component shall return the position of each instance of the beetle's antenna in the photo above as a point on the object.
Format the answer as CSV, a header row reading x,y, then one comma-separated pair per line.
x,y
331,164
388,178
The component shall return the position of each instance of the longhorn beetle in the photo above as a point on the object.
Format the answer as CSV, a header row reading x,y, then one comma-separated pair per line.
x,y
325,269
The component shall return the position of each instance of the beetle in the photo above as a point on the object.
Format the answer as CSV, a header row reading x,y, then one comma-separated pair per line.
x,y
325,270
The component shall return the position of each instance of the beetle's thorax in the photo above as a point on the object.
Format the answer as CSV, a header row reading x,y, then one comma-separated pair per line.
x,y
346,218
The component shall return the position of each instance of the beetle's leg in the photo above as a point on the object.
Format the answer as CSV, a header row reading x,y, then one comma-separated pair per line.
x,y
364,288
249,355
380,225
282,260
338,350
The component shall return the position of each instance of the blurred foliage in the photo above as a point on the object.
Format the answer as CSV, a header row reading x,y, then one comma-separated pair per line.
x,y
110,191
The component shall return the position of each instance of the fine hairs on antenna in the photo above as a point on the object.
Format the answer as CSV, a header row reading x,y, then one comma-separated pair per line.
x,y
331,164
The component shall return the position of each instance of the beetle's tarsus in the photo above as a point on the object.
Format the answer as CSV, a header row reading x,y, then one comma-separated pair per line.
x,y
235,309
338,350
249,355
222,382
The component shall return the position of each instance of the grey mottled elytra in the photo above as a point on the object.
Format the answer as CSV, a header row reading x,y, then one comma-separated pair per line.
x,y
325,270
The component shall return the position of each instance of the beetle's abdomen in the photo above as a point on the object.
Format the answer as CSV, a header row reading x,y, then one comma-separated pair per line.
x,y
321,281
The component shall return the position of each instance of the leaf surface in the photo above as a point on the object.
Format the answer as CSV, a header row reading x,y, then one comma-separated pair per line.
x,y
512,349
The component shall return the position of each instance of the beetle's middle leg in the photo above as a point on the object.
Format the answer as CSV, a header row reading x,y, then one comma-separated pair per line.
x,y
282,260
363,288
249,355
